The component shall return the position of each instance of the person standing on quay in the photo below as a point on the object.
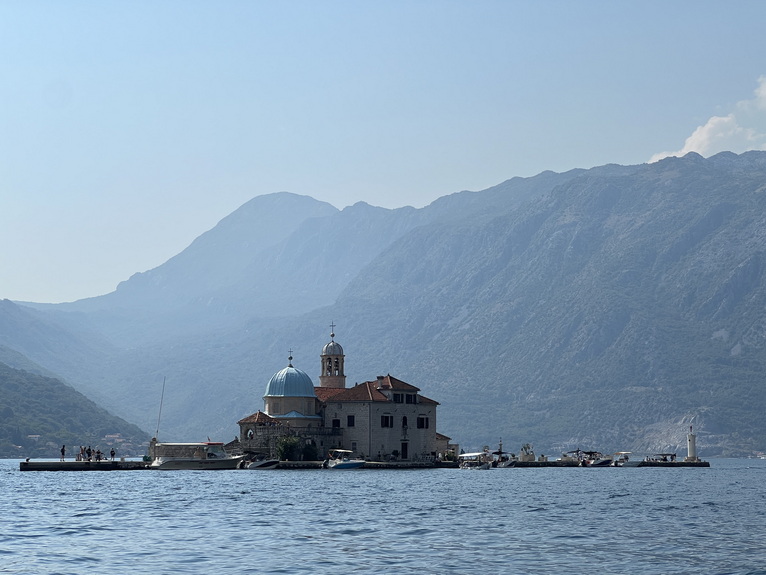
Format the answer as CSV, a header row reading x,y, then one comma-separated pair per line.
x,y
63,452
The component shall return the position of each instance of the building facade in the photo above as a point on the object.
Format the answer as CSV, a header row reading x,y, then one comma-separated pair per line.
x,y
382,419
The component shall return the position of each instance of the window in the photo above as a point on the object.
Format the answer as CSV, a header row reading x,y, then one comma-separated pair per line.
x,y
350,421
386,420
398,398
404,422
422,422
410,398
336,422
353,446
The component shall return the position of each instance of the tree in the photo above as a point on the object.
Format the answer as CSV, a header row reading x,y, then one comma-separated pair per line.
x,y
287,448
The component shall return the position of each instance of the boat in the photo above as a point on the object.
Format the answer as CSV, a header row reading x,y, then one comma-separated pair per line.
x,y
202,455
478,460
262,462
503,458
341,459
621,459
661,458
596,459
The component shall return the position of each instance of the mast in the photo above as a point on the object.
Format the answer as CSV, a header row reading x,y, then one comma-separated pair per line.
x,y
159,415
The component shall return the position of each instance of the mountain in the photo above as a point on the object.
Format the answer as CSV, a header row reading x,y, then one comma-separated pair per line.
x,y
277,255
617,309
607,308
39,413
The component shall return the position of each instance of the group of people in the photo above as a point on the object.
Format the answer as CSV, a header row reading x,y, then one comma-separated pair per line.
x,y
88,454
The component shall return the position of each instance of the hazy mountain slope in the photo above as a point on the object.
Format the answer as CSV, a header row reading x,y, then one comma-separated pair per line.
x,y
68,348
603,308
174,298
216,259
304,263
35,405
617,304
278,254
306,270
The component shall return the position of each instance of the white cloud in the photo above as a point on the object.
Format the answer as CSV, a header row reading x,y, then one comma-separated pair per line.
x,y
742,130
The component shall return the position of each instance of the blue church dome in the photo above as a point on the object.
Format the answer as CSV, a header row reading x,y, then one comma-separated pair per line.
x,y
290,382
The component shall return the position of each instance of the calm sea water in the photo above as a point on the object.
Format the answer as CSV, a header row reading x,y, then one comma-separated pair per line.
x,y
550,520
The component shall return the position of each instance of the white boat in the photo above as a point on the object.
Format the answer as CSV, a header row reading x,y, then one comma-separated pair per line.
x,y
622,459
203,455
341,459
596,459
503,458
478,460
262,462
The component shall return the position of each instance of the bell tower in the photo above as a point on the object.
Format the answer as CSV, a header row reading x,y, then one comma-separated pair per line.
x,y
332,374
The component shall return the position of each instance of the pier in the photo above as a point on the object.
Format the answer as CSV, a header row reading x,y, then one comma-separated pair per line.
x,y
298,465
106,465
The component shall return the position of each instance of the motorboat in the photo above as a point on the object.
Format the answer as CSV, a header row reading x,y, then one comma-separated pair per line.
x,y
622,459
596,459
503,458
479,460
661,458
262,462
194,456
341,459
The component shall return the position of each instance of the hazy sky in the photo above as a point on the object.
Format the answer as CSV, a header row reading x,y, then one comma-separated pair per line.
x,y
129,128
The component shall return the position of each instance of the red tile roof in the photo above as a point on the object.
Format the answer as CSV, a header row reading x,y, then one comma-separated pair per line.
x,y
325,393
424,399
369,391
360,392
390,382
257,417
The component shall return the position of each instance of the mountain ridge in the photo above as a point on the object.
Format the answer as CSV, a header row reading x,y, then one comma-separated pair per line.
x,y
609,307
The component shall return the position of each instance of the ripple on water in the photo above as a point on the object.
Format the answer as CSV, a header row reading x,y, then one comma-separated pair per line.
x,y
434,521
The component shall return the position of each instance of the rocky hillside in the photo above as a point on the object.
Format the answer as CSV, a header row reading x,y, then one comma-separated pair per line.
x,y
606,308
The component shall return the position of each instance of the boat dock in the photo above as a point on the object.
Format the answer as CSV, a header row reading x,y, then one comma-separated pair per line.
x,y
135,465
107,465
673,464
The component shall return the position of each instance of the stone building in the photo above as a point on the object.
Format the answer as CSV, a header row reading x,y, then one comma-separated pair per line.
x,y
381,419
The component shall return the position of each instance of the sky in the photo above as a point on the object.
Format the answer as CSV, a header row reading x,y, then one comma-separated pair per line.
x,y
127,129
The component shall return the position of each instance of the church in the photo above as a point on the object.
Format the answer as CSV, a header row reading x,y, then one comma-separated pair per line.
x,y
383,419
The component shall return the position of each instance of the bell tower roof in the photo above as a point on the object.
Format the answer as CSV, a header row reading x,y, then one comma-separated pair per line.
x,y
332,348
